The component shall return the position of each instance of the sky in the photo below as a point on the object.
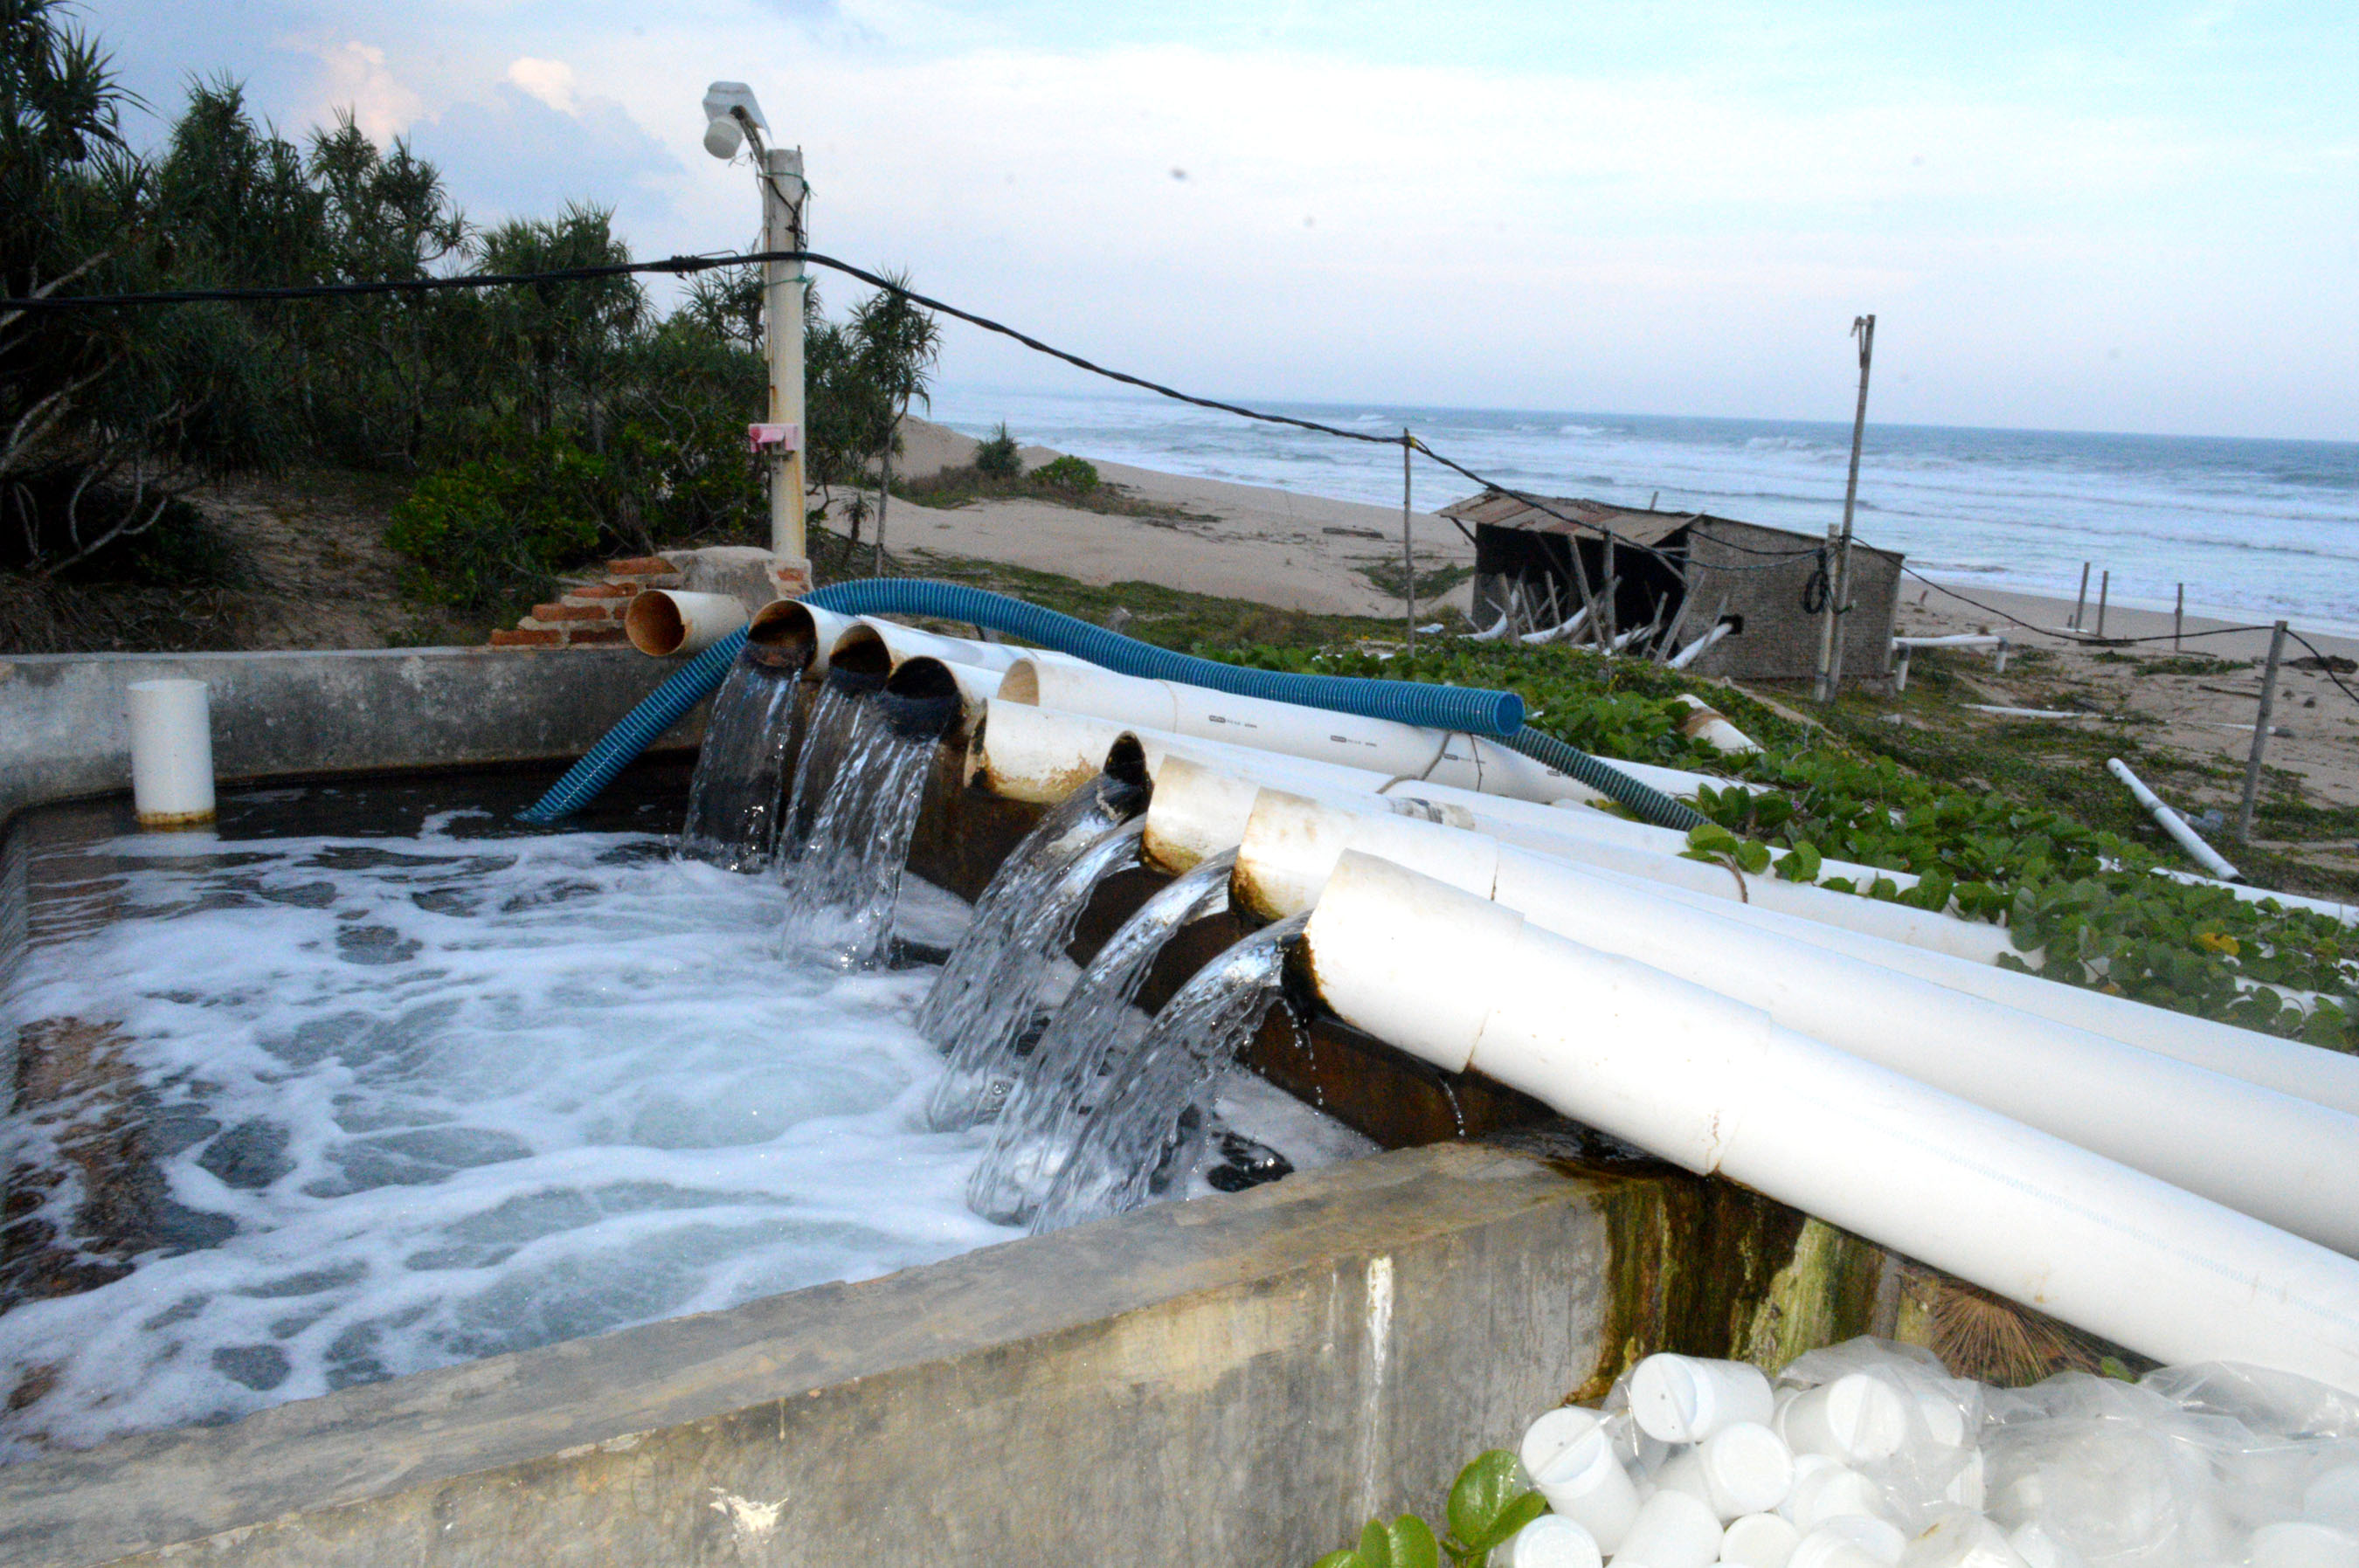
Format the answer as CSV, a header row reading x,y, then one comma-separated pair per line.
x,y
2137,217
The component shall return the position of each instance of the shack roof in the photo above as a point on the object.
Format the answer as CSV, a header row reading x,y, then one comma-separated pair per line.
x,y
1639,525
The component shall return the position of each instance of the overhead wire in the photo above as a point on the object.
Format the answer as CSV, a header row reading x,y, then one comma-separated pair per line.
x,y
683,266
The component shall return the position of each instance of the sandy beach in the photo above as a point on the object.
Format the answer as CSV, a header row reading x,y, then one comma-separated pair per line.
x,y
1303,552
1238,541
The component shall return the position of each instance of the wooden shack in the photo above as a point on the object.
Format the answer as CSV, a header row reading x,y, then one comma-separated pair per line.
x,y
1680,573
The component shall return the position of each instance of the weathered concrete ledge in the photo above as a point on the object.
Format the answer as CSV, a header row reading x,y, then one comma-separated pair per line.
x,y
63,733
1242,1379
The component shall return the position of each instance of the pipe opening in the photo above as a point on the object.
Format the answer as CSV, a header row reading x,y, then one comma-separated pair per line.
x,y
922,678
860,652
918,717
1126,763
784,628
654,624
1022,683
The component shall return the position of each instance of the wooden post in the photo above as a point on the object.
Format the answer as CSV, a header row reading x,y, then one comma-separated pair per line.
x,y
2104,588
1839,586
2260,735
2082,603
2178,618
1606,597
1408,562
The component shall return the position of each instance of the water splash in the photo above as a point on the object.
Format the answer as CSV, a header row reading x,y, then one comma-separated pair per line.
x,y
986,1044
1063,831
844,886
1141,1137
732,803
1072,1066
833,717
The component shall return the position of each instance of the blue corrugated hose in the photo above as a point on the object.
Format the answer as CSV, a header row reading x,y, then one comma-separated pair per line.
x,y
1477,712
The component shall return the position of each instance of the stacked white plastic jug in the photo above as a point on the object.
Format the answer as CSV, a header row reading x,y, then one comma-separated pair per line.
x,y
1869,1455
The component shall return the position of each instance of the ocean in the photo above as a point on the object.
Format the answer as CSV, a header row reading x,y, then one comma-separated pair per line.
x,y
2256,529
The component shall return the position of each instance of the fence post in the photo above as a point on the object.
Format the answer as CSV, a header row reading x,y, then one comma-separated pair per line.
x,y
2082,603
2260,735
2178,617
2105,591
1839,584
1409,561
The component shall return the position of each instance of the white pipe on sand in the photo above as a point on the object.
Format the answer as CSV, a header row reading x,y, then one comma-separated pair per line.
x,y
2186,838
2285,1160
1716,1087
1711,726
172,752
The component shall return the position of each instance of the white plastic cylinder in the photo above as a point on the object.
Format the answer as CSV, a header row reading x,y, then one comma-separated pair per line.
x,y
1686,1399
1552,1434
1961,1540
172,752
667,621
2304,1544
1708,724
1715,1085
1854,1418
975,685
1747,1468
1759,1541
1825,1548
1553,1541
1672,1530
1587,1484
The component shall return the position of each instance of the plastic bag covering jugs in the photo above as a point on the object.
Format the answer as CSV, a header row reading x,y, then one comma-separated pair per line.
x,y
1869,1454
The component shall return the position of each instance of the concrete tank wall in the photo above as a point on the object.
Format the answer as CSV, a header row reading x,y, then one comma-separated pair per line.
x,y
63,730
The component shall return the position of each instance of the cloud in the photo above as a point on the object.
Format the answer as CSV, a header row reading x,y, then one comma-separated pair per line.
x,y
551,80
356,76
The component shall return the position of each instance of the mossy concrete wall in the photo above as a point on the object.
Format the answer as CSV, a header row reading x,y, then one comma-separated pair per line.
x,y
63,732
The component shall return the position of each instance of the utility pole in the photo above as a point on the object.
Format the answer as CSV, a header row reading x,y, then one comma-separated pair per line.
x,y
2260,735
783,286
1408,562
733,120
1839,590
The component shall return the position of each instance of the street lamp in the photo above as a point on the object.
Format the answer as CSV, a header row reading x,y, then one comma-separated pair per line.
x,y
732,119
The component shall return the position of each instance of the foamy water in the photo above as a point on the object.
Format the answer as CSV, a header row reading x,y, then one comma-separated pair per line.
x,y
419,1099
461,1098
2255,528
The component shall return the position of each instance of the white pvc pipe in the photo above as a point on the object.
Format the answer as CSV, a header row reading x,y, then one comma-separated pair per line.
x,y
2186,838
1039,754
790,620
2327,1077
1569,627
1378,745
665,621
1710,725
1044,756
2346,913
1717,1087
975,687
1694,650
172,752
2285,1160
908,643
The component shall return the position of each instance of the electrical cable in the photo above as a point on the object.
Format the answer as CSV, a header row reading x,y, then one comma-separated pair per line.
x,y
2325,664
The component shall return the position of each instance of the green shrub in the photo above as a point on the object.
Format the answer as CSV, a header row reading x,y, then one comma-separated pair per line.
x,y
995,456
491,534
1069,473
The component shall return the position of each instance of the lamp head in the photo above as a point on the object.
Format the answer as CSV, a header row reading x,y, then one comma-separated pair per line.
x,y
729,109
